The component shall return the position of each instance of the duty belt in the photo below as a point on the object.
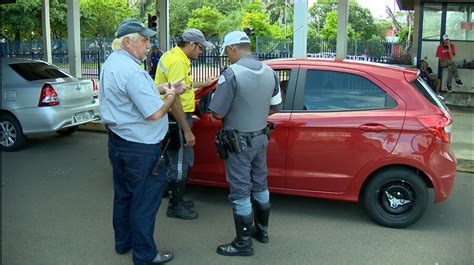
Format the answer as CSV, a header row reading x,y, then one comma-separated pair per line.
x,y
252,134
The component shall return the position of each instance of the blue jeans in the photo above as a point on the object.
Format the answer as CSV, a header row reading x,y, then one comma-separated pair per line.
x,y
137,196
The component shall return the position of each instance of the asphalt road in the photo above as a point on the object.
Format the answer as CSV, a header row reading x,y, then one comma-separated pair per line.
x,y
57,206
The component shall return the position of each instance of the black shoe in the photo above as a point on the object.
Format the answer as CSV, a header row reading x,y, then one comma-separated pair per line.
x,y
188,204
260,234
459,83
242,244
181,212
261,214
123,251
449,88
177,207
235,248
161,257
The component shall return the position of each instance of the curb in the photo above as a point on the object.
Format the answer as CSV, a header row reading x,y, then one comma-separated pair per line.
x,y
464,165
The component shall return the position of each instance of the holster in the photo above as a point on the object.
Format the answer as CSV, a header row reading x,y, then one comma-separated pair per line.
x,y
220,143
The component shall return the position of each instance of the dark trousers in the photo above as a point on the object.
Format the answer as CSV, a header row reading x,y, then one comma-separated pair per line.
x,y
137,196
180,158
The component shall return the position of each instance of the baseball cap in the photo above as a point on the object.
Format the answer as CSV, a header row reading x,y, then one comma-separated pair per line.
x,y
196,35
155,46
445,37
234,37
131,25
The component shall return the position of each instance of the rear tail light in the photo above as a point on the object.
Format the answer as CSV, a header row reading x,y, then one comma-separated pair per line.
x,y
95,89
438,124
48,96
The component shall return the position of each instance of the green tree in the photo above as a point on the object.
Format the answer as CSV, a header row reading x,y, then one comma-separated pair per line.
x,y
257,19
329,30
232,21
58,19
360,19
206,19
99,18
21,21
179,14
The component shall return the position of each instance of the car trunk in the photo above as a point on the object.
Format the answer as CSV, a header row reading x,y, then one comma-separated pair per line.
x,y
72,91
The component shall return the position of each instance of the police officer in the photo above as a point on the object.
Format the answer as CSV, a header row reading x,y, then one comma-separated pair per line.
x,y
246,94
174,65
153,58
137,120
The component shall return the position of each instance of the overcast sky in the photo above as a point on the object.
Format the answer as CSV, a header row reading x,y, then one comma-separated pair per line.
x,y
376,7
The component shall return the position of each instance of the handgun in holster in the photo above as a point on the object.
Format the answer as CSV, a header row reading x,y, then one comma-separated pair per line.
x,y
234,141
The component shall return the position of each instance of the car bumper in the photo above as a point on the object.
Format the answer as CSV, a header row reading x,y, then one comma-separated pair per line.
x,y
54,118
442,168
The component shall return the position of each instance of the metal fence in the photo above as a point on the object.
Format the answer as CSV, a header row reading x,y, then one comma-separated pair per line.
x,y
210,63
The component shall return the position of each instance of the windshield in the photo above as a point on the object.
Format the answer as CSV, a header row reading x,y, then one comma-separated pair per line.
x,y
32,71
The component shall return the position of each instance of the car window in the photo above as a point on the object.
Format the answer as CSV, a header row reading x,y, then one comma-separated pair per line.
x,y
339,91
32,71
284,78
422,87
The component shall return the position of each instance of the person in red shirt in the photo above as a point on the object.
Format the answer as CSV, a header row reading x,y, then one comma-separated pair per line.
x,y
446,52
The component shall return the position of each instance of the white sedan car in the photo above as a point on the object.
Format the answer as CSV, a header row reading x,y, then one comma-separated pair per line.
x,y
38,97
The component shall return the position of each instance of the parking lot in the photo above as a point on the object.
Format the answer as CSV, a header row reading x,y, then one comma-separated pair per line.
x,y
57,209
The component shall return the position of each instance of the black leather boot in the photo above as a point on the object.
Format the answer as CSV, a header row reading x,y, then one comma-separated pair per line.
x,y
242,244
261,214
176,206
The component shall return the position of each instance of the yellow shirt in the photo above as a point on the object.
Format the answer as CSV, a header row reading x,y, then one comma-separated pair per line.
x,y
173,66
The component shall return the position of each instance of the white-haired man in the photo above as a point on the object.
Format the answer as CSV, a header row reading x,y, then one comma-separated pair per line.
x,y
137,121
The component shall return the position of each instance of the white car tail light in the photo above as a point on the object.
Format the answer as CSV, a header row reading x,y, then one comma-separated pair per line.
x,y
95,89
48,96
438,124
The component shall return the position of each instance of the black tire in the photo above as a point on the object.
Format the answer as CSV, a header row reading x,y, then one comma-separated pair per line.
x,y
407,202
68,131
13,138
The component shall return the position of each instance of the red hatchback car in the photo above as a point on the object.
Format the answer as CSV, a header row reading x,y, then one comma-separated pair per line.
x,y
349,131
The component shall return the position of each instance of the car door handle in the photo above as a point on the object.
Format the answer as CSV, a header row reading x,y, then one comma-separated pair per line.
x,y
373,127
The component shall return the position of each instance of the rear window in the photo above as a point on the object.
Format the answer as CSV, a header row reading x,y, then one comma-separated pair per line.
x,y
428,93
37,71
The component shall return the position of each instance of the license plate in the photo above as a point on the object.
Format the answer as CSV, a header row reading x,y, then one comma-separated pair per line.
x,y
82,117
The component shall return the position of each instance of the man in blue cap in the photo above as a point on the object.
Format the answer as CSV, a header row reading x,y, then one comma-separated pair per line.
x,y
153,60
247,88
137,121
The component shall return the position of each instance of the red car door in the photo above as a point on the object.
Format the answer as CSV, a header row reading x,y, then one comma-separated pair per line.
x,y
342,120
209,169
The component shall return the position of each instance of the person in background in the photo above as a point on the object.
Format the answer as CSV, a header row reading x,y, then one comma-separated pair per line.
x,y
426,73
174,65
247,88
152,60
137,121
446,52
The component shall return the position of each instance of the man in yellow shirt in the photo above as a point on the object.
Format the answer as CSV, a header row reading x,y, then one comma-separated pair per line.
x,y
174,65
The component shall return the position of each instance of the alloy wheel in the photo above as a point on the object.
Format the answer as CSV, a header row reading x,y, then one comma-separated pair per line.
x,y
9,133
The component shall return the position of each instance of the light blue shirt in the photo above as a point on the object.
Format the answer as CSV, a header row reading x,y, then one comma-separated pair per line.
x,y
128,96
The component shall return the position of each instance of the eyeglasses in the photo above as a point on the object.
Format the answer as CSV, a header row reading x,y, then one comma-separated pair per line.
x,y
200,46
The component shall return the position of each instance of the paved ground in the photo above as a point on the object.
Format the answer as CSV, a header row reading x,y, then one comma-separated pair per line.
x,y
463,138
56,210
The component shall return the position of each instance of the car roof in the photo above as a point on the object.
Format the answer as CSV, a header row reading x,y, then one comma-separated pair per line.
x,y
365,66
9,60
